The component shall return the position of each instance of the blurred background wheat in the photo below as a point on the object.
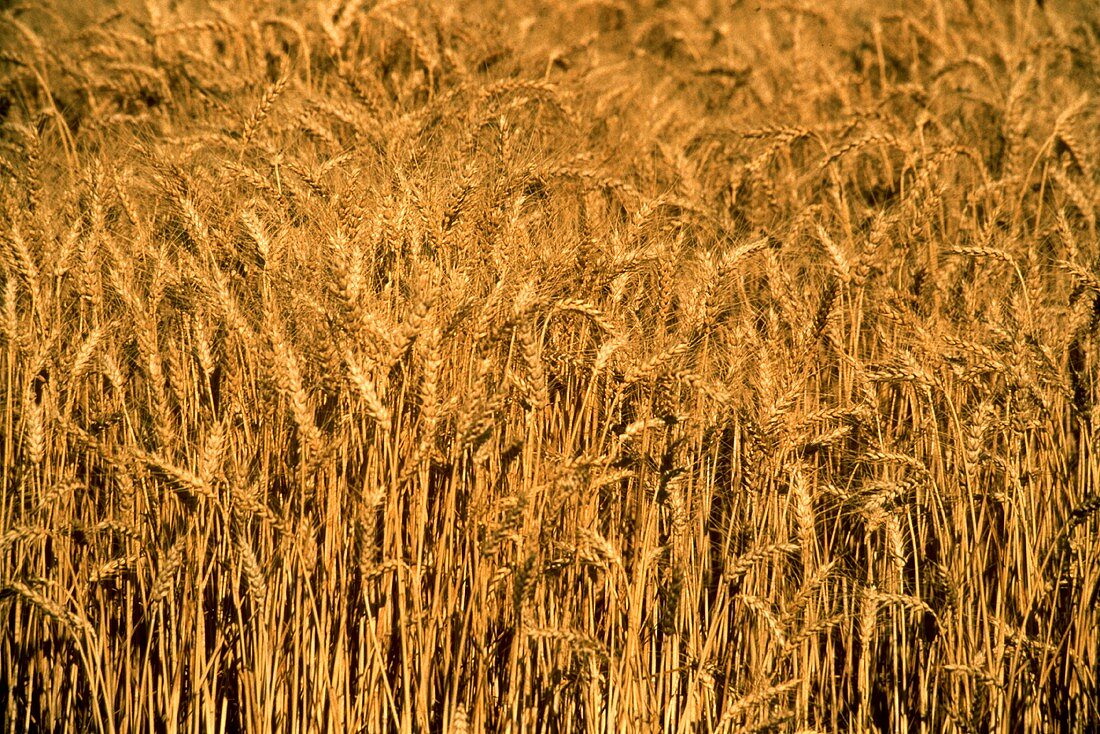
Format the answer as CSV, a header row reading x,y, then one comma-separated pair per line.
x,y
520,366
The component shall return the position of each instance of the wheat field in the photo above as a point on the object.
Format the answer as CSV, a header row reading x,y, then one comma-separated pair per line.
x,y
534,365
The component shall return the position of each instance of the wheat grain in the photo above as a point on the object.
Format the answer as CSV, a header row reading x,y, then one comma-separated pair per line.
x,y
384,366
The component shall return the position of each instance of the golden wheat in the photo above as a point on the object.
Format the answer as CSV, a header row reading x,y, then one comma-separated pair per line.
x,y
661,367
